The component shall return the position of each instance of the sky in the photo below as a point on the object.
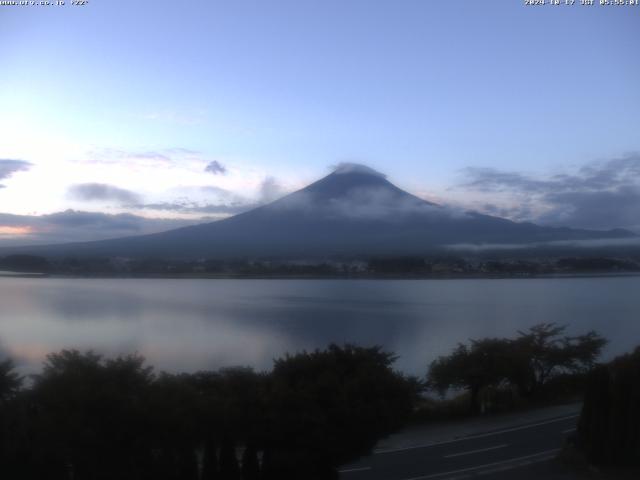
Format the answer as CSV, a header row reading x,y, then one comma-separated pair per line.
x,y
119,117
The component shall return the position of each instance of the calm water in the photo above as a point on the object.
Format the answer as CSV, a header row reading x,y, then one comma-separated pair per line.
x,y
198,324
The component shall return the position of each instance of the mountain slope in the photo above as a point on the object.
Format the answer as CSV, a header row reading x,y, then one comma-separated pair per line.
x,y
353,211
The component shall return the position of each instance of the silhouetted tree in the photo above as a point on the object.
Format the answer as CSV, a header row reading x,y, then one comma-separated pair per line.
x,y
609,425
230,412
229,468
10,381
10,414
528,362
89,414
174,424
89,418
544,351
210,461
250,466
483,363
329,407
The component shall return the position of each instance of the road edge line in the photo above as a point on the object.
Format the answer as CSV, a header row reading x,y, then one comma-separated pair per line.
x,y
472,437
544,456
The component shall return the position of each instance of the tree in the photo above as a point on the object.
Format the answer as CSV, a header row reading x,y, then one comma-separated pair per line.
x,y
543,351
609,425
481,364
230,412
90,415
250,465
329,407
229,468
527,363
10,381
10,385
174,417
92,418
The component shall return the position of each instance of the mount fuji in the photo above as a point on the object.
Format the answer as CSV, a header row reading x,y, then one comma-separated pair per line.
x,y
354,210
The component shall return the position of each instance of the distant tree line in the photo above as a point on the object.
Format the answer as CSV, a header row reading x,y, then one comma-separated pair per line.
x,y
527,366
89,417
25,263
433,266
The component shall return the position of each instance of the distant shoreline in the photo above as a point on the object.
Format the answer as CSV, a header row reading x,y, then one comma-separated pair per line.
x,y
4,274
228,276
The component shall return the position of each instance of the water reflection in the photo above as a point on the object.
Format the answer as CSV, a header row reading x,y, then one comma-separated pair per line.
x,y
196,324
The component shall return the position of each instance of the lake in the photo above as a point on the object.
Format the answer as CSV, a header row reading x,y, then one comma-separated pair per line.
x,y
187,325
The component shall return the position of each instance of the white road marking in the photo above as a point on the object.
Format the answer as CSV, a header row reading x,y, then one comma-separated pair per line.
x,y
548,453
470,452
472,437
349,470
569,430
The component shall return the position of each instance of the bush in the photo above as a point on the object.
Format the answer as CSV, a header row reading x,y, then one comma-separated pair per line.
x,y
90,418
609,426
533,364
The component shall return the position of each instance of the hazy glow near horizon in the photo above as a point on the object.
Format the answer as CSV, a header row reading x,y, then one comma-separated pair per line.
x,y
142,107
14,231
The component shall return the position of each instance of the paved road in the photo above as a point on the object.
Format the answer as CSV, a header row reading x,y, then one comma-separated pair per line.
x,y
486,453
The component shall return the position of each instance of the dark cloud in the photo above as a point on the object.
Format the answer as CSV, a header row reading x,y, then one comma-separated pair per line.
x,y
213,200
223,209
209,193
520,212
212,189
208,199
619,207
102,192
600,195
193,207
216,168
8,167
79,219
596,176
73,225
493,180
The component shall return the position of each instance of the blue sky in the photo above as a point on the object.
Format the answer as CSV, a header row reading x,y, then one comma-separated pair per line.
x,y
141,96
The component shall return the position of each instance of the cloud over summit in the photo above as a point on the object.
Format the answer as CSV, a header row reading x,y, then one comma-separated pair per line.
x,y
350,167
